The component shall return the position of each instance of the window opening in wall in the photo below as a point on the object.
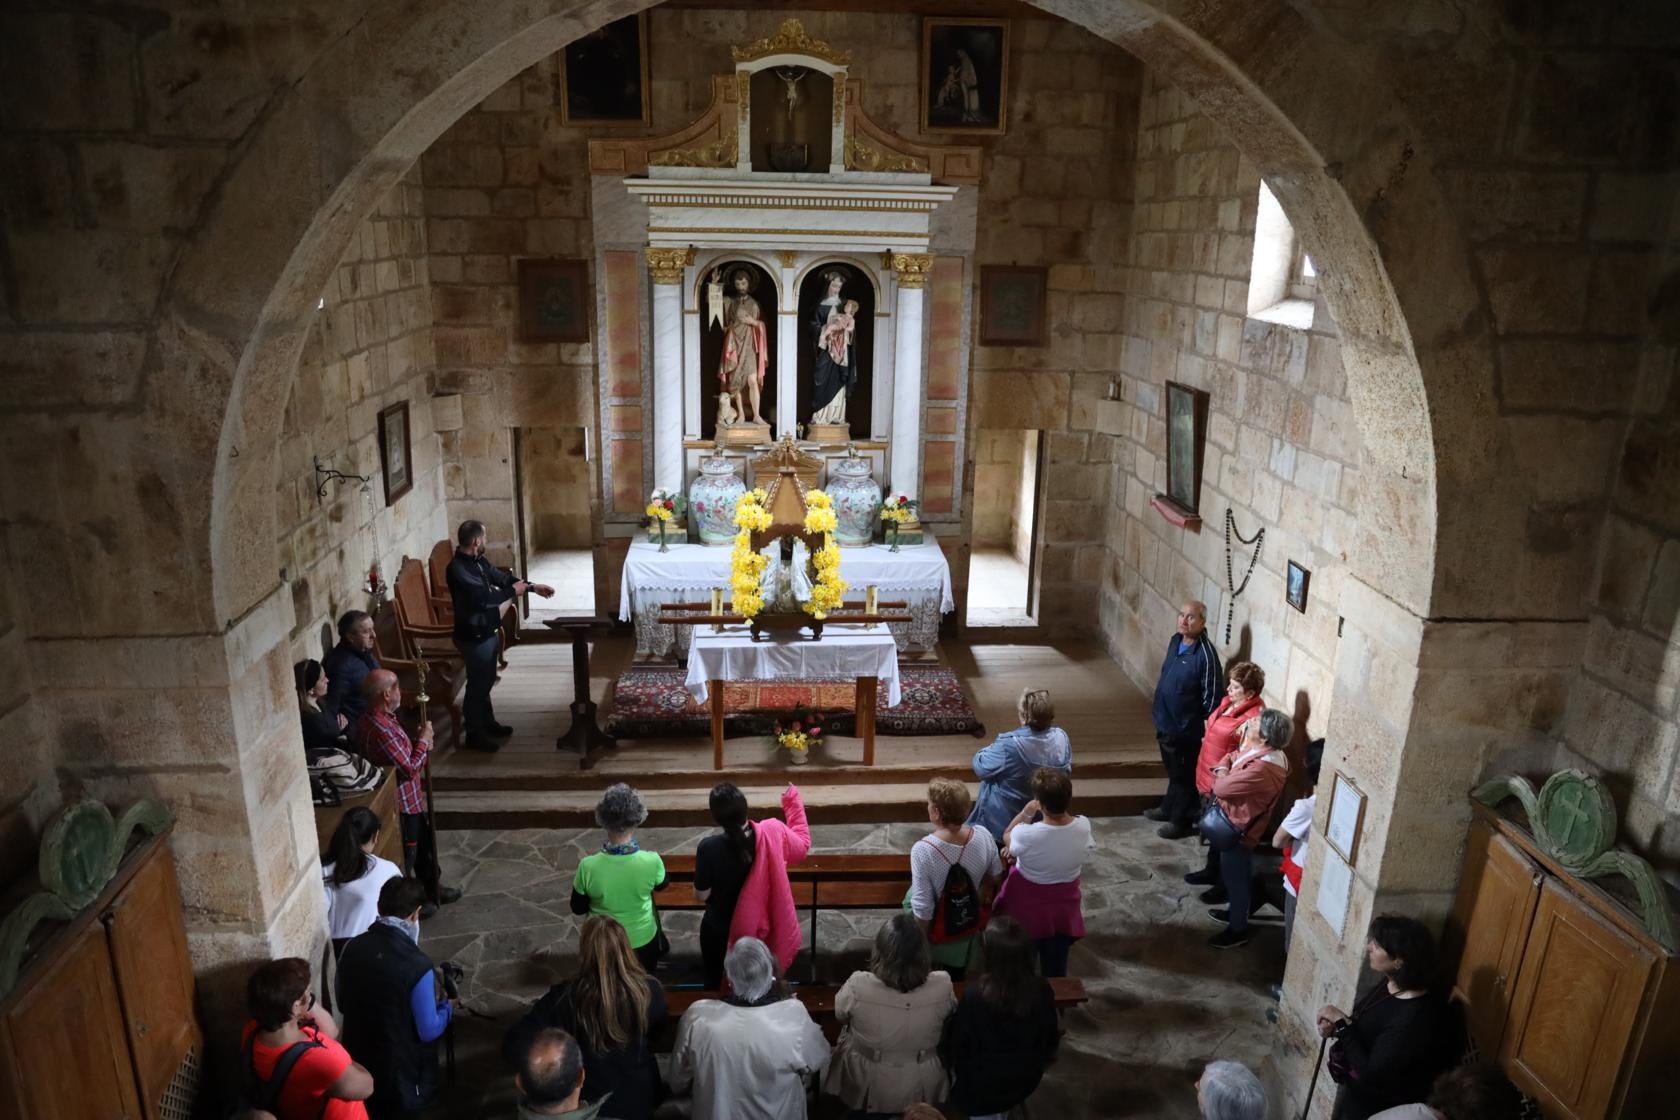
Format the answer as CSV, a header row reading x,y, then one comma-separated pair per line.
x,y
555,499
1002,568
1283,281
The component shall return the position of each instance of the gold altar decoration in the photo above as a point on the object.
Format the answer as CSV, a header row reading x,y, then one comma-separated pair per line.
x,y
786,454
719,153
666,265
791,38
912,268
862,157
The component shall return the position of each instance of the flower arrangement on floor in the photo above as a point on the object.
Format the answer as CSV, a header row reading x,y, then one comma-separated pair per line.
x,y
828,590
799,731
747,566
895,512
664,506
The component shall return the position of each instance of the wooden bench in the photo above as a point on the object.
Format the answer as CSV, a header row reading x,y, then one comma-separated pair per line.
x,y
819,1001
825,881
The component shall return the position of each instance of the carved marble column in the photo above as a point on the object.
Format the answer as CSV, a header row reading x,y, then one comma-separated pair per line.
x,y
912,271
666,266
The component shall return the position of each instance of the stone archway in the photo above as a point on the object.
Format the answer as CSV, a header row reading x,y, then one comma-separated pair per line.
x,y
1349,167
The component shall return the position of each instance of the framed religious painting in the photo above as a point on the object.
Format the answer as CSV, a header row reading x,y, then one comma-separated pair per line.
x,y
1295,586
965,75
553,301
1187,417
604,75
1346,816
1012,301
396,459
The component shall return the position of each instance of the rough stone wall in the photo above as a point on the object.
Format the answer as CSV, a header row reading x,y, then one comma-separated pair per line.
x,y
997,487
369,348
1282,449
506,181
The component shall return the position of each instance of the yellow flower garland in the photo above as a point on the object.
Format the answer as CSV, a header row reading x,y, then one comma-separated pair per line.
x,y
747,567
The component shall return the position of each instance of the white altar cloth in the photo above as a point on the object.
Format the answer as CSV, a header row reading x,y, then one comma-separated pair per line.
x,y
845,651
917,573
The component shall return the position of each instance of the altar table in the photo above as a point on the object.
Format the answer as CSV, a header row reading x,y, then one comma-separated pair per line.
x,y
867,653
687,573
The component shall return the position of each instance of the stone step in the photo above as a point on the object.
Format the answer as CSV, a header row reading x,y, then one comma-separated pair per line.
x,y
825,803
553,771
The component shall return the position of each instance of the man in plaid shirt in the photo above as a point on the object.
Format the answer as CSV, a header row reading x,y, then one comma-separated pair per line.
x,y
381,738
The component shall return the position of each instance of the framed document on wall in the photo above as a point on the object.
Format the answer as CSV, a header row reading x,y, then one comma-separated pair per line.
x,y
396,460
1347,814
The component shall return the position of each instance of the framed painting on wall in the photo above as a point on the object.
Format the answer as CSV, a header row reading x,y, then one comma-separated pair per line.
x,y
1346,816
604,75
965,75
1295,586
396,460
1187,414
553,301
1012,299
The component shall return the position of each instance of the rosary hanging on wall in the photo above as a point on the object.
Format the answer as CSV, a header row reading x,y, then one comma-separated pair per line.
x,y
1258,540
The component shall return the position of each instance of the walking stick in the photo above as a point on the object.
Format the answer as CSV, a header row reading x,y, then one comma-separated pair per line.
x,y
1323,1044
433,872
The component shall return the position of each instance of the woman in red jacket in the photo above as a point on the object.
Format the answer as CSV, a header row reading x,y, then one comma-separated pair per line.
x,y
1224,735
1246,788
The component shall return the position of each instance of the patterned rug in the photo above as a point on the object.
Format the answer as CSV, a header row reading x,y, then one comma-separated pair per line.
x,y
651,702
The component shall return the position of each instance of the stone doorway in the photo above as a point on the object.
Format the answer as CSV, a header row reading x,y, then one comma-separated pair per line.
x,y
1002,568
553,466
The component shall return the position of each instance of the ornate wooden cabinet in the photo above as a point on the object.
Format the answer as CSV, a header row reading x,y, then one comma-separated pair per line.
x,y
97,1014
1562,982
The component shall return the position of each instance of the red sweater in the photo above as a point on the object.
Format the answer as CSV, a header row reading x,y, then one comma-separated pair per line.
x,y
1221,738
1251,789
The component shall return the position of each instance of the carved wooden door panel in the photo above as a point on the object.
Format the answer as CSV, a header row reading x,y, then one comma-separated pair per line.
x,y
1574,1009
154,976
66,1038
1491,918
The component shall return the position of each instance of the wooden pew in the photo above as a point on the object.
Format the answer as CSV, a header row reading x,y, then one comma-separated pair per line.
x,y
824,881
819,1001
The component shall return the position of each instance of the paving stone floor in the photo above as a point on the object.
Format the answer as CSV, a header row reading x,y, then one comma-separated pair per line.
x,y
1162,1002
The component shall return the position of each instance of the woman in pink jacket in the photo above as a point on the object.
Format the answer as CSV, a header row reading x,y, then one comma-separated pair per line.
x,y
764,909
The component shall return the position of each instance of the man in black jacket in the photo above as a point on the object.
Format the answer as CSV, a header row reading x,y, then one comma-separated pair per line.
x,y
393,1007
478,589
347,665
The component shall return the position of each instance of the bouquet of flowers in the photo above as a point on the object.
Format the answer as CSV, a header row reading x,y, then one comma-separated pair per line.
x,y
898,510
665,505
799,731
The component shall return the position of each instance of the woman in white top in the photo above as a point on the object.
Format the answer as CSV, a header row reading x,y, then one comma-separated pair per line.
x,y
951,844
1042,889
352,875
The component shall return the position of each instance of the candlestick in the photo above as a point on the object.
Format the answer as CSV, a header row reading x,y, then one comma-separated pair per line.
x,y
871,597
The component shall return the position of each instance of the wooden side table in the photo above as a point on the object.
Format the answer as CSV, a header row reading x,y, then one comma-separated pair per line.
x,y
584,736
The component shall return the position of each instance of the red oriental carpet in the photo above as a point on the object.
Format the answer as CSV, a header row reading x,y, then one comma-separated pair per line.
x,y
651,702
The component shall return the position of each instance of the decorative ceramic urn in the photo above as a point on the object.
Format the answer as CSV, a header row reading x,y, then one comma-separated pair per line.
x,y
711,499
857,500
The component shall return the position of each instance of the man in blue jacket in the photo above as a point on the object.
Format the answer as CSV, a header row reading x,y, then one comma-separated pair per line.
x,y
478,588
1191,684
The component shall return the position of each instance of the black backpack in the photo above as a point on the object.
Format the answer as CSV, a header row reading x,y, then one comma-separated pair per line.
x,y
959,911
262,1094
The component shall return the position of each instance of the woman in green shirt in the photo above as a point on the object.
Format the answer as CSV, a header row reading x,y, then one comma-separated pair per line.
x,y
619,880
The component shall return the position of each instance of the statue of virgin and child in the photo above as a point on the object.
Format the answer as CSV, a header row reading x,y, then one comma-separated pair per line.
x,y
833,328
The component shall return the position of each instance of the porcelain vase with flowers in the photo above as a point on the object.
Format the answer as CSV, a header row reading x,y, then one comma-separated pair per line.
x,y
712,497
798,731
855,497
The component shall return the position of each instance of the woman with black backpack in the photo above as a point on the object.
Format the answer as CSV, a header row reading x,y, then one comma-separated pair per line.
x,y
952,873
1004,1033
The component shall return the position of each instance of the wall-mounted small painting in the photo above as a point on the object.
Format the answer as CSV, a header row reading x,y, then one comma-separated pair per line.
x,y
1012,299
1187,414
965,75
604,75
395,458
1295,586
553,301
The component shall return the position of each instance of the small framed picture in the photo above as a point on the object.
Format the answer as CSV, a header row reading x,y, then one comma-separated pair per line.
x,y
1187,419
553,301
965,75
395,459
1347,815
1295,586
604,75
1012,299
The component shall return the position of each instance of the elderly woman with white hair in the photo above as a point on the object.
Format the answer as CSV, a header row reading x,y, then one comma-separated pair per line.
x,y
1230,1091
619,880
747,1056
1246,786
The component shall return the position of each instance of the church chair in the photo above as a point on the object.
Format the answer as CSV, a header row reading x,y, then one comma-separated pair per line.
x,y
446,680
421,629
